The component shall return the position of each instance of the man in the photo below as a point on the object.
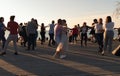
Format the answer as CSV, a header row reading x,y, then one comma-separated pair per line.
x,y
51,34
13,27
31,31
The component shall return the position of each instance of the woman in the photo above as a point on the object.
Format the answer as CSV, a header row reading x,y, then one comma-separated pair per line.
x,y
42,33
64,39
92,33
84,30
51,34
108,34
75,34
99,34
57,31
2,32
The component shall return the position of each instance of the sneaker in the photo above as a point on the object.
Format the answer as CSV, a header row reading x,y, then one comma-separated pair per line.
x,y
62,56
16,53
3,53
102,52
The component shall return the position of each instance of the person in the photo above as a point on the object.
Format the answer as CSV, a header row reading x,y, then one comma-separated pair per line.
x,y
84,30
13,27
75,34
92,33
95,21
2,31
99,34
21,33
36,34
51,34
25,38
119,34
31,31
57,31
78,26
108,34
42,33
70,36
64,40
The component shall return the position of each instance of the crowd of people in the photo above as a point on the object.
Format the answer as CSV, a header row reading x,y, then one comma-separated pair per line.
x,y
59,34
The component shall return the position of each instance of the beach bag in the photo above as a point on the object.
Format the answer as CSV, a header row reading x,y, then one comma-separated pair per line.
x,y
116,51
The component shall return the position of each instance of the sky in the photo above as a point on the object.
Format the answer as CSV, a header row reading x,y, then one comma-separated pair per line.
x,y
74,11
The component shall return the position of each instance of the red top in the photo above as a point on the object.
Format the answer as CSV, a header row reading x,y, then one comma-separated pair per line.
x,y
75,31
13,26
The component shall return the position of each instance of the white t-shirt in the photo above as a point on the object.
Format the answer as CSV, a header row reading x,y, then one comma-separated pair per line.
x,y
98,28
109,26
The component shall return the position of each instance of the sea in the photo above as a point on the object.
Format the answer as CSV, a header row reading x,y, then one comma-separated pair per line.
x,y
47,34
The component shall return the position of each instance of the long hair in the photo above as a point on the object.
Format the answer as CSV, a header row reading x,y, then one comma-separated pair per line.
x,y
108,19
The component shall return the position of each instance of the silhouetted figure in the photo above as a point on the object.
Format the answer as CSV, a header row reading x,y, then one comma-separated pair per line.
x,y
92,33
36,34
51,34
2,32
75,34
31,32
21,33
13,27
99,34
24,35
78,26
42,33
84,30
70,36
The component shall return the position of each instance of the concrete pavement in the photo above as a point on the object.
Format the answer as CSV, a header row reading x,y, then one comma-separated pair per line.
x,y
80,61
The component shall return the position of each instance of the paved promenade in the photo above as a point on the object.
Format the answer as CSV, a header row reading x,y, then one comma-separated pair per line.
x,y
80,61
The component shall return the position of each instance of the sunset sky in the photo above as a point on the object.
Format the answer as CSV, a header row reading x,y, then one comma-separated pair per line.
x,y
74,11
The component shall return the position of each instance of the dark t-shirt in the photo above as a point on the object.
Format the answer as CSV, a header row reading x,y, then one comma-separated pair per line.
x,y
13,26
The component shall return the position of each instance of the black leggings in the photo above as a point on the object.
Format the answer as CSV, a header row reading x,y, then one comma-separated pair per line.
x,y
84,37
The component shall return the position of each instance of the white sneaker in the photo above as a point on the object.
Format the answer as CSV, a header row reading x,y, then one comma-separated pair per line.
x,y
103,52
62,56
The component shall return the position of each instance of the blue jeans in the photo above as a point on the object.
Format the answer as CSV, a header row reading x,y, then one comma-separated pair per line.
x,y
99,38
51,35
108,38
2,37
84,37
